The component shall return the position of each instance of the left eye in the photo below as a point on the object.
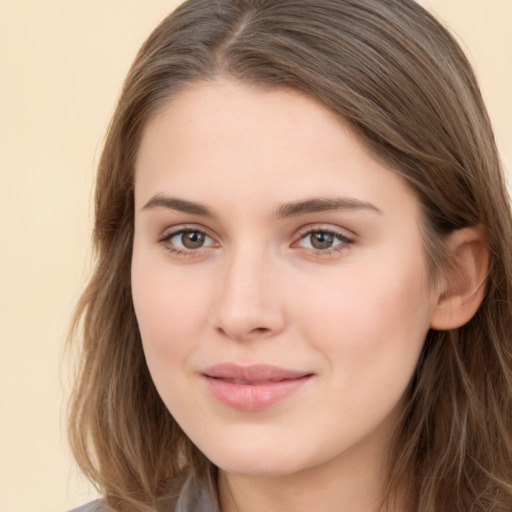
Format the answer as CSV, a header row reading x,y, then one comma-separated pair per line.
x,y
189,239
323,240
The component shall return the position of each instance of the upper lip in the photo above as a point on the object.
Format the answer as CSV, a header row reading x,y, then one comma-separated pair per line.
x,y
253,373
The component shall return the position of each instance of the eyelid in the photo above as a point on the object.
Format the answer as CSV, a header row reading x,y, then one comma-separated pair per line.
x,y
172,231
343,233
344,240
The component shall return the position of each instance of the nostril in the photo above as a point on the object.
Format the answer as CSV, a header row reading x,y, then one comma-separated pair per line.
x,y
244,334
261,330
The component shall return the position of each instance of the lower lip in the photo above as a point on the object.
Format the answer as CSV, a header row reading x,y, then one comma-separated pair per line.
x,y
254,397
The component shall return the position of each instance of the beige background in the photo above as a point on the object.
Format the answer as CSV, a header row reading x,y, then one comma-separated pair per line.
x,y
61,66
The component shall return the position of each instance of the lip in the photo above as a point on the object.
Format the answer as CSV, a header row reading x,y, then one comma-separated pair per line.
x,y
253,387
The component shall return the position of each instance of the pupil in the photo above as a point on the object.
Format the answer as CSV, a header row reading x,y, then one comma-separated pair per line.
x,y
321,240
192,239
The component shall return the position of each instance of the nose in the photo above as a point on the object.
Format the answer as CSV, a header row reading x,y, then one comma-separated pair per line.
x,y
250,302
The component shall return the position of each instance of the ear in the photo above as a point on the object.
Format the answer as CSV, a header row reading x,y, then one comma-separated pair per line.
x,y
462,286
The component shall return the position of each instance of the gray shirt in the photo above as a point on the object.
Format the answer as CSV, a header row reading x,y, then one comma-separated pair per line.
x,y
195,496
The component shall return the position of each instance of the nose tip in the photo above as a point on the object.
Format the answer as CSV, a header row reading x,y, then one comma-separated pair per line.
x,y
249,305
242,319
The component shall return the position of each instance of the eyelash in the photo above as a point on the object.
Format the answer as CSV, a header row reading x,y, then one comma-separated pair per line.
x,y
344,241
166,241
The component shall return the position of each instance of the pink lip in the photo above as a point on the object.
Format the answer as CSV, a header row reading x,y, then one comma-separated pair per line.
x,y
255,387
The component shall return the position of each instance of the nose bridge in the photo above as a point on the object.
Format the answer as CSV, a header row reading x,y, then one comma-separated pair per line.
x,y
249,299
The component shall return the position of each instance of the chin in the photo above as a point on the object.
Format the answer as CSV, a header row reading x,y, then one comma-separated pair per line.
x,y
258,466
258,459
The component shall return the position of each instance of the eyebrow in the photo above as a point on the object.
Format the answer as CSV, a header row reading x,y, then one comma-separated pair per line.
x,y
287,210
323,204
181,205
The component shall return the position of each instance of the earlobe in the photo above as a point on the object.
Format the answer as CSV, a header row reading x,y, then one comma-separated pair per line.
x,y
463,284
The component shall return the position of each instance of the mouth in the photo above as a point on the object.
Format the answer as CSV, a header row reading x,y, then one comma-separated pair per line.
x,y
255,387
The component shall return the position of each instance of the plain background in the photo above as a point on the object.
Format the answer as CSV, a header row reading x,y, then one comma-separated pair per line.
x,y
62,63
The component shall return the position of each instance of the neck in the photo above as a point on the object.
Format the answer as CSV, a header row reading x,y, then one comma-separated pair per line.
x,y
333,487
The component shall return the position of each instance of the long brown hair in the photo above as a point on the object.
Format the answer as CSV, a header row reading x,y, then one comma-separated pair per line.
x,y
397,76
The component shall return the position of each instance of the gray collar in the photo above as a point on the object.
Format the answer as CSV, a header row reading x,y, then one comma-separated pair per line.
x,y
198,495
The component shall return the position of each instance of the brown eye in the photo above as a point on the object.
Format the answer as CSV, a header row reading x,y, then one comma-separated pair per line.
x,y
187,240
321,240
192,239
324,241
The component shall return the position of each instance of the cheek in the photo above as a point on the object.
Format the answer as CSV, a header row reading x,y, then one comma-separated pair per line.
x,y
170,310
370,322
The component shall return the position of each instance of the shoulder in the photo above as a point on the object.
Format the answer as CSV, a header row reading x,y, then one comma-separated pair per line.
x,y
167,503
197,494
93,506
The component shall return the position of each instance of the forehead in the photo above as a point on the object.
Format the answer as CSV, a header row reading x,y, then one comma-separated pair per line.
x,y
227,140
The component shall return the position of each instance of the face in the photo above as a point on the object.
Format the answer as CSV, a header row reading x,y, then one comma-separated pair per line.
x,y
279,280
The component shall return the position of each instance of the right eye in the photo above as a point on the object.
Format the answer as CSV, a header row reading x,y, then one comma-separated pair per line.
x,y
184,241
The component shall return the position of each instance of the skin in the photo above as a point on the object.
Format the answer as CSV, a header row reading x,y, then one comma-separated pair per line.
x,y
258,290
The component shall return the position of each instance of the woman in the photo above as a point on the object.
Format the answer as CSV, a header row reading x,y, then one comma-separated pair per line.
x,y
302,299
